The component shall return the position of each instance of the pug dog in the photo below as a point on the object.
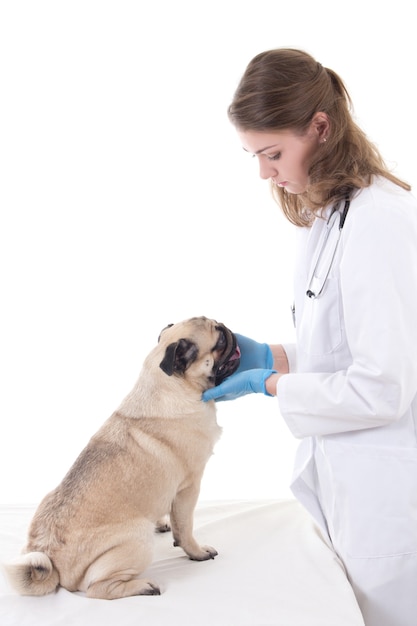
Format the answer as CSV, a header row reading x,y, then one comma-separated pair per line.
x,y
94,532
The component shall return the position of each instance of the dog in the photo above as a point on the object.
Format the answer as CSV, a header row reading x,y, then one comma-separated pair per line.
x,y
94,532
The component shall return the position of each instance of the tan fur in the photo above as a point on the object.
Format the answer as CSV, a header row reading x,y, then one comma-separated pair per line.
x,y
94,532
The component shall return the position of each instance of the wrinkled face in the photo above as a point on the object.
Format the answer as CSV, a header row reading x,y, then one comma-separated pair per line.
x,y
201,350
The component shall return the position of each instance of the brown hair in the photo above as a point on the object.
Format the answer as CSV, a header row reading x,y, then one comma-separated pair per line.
x,y
282,89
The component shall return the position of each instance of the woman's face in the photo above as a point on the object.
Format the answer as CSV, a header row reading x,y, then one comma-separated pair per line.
x,y
284,156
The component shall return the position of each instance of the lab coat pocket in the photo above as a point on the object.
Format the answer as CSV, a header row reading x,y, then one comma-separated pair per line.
x,y
320,330
374,499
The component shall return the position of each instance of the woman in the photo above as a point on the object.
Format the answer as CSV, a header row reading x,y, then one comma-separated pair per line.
x,y
348,389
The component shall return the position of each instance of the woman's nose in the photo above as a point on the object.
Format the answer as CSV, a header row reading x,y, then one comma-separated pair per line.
x,y
266,169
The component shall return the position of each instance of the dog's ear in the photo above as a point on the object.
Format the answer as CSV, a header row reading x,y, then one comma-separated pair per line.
x,y
164,328
178,356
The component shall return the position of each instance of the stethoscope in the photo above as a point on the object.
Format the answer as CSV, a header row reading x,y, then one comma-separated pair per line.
x,y
316,285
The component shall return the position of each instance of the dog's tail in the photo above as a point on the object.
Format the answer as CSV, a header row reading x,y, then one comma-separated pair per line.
x,y
33,574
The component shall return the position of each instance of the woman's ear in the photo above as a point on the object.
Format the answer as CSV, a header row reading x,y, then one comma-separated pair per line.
x,y
320,125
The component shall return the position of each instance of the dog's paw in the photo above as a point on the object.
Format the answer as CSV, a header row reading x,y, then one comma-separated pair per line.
x,y
150,590
204,554
163,525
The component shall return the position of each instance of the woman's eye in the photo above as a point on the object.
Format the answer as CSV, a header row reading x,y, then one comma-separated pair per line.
x,y
274,157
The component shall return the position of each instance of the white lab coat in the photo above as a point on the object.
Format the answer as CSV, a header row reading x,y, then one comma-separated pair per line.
x,y
351,396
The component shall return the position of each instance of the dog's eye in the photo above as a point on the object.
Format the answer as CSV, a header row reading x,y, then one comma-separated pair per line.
x,y
221,342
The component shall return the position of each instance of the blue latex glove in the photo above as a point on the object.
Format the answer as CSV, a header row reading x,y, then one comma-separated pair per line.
x,y
240,384
253,355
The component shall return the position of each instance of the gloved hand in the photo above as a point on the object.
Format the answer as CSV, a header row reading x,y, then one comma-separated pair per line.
x,y
253,355
240,384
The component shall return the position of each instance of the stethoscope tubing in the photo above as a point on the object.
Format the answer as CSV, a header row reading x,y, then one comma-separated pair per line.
x,y
315,294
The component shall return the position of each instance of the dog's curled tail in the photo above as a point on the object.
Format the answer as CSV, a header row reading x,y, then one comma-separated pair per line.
x,y
33,574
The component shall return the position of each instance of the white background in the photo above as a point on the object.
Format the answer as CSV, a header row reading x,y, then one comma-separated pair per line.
x,y
127,203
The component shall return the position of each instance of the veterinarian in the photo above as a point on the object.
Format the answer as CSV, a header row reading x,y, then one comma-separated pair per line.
x,y
348,388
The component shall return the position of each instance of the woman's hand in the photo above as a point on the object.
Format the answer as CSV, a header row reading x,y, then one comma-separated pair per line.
x,y
253,355
240,384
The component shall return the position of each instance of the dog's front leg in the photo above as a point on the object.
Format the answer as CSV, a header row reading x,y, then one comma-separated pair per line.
x,y
182,514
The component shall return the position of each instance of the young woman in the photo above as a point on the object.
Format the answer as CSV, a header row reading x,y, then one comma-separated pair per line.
x,y
348,388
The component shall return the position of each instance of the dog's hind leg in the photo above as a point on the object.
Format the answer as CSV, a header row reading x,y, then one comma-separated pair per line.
x,y
116,587
163,524
115,573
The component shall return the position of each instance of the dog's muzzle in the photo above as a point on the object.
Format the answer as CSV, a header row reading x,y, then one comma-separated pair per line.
x,y
230,360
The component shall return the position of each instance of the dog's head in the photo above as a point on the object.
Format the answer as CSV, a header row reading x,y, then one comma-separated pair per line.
x,y
203,351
